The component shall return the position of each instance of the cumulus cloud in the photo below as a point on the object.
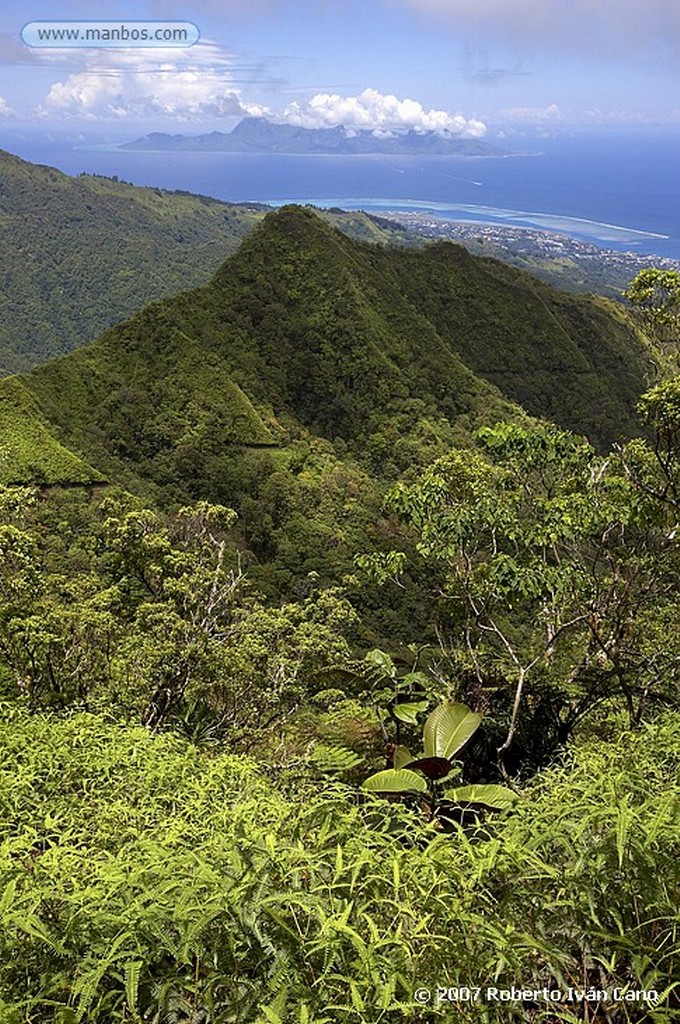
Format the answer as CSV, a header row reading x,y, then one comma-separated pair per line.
x,y
120,94
610,27
118,84
5,109
374,111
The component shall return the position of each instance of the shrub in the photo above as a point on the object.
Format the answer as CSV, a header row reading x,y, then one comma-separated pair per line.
x,y
144,880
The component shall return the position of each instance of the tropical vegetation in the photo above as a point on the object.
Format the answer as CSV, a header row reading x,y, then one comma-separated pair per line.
x,y
339,679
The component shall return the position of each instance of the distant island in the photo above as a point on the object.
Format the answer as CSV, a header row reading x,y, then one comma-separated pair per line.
x,y
260,135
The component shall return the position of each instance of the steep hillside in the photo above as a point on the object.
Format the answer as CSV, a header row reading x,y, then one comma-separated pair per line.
x,y
572,359
298,336
388,354
309,374
28,448
80,254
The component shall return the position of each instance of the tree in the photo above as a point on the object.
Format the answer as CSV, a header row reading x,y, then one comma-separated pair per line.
x,y
111,605
556,564
655,468
200,651
655,296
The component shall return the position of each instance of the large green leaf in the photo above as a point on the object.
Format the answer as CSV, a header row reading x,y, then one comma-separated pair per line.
x,y
416,679
408,711
394,780
448,728
499,797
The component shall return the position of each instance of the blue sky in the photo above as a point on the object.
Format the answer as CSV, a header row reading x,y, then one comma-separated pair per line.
x,y
470,67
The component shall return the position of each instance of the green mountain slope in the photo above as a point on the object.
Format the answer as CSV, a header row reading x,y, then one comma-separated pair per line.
x,y
389,354
573,359
329,332
292,388
28,448
297,337
80,254
301,381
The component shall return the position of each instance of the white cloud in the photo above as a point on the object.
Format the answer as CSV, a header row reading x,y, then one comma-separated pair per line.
x,y
532,115
374,111
168,92
5,109
515,119
119,84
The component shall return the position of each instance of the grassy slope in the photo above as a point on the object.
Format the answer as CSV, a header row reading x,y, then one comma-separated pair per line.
x,y
28,447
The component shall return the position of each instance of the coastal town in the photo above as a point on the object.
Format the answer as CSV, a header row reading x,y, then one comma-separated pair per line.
x,y
558,258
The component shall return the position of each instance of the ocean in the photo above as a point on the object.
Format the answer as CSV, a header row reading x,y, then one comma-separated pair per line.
x,y
619,190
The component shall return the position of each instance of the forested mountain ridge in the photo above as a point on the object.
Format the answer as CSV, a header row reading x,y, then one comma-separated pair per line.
x,y
79,253
283,389
82,253
297,333
576,360
308,375
306,331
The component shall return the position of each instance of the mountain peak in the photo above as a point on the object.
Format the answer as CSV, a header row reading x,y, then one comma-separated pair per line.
x,y
304,332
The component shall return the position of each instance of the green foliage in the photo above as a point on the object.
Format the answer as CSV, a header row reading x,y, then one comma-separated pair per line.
x,y
141,879
333,759
395,780
610,838
123,246
446,731
30,451
153,616
655,296
574,360
557,565
661,409
500,798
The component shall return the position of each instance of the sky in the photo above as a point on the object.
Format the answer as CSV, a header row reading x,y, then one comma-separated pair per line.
x,y
472,68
